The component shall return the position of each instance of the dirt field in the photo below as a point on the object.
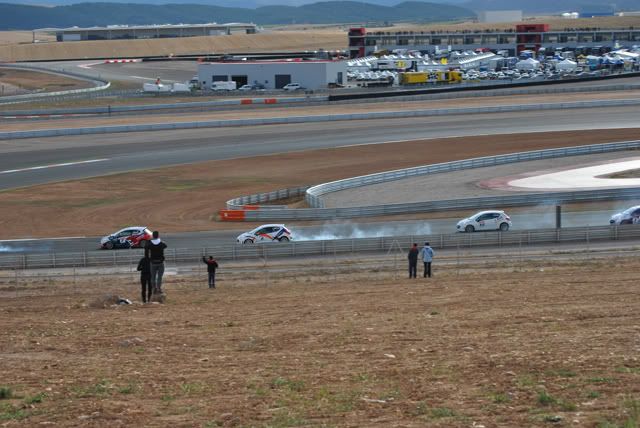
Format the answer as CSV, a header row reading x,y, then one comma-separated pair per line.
x,y
187,198
13,37
263,42
555,23
492,346
40,82
302,110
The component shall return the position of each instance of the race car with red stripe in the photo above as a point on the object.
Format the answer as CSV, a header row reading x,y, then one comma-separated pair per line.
x,y
129,237
266,233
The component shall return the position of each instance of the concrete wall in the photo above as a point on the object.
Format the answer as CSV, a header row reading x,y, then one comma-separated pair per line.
x,y
310,74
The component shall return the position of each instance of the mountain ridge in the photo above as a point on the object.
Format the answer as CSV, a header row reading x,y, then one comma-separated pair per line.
x,y
27,17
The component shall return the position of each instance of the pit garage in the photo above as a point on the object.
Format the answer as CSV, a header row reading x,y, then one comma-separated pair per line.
x,y
310,74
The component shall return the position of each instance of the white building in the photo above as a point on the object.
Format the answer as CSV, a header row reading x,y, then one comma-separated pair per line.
x,y
311,74
493,16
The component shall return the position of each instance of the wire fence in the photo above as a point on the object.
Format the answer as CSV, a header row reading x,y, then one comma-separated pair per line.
x,y
80,284
250,253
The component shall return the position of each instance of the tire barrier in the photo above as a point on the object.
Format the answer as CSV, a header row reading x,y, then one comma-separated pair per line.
x,y
129,258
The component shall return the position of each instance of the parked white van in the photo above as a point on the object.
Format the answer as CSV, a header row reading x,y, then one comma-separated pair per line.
x,y
223,86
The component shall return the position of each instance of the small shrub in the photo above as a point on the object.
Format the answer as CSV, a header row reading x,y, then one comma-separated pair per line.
x,y
442,412
5,393
593,394
544,399
35,398
499,398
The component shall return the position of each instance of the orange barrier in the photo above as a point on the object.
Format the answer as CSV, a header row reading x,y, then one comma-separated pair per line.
x,y
231,215
246,101
270,100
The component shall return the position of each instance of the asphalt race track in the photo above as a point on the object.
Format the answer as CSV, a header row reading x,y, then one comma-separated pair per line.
x,y
323,232
26,162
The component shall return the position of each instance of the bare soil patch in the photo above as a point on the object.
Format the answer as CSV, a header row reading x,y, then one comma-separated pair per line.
x,y
187,198
549,344
40,82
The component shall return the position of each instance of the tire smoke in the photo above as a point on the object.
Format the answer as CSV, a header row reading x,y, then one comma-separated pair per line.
x,y
348,230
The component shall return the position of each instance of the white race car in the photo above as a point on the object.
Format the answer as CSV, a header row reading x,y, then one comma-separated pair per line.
x,y
485,220
628,216
266,233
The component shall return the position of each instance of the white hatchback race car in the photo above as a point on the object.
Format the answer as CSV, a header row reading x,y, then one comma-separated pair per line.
x,y
628,216
266,233
485,220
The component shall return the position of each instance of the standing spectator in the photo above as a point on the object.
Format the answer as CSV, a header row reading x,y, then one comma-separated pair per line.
x,y
144,267
413,260
155,251
427,254
212,265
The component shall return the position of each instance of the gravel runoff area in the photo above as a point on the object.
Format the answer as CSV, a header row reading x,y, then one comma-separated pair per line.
x,y
459,184
506,342
302,110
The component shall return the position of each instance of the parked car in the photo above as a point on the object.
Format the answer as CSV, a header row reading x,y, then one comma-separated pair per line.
x,y
628,216
266,233
292,87
223,85
485,220
246,88
129,237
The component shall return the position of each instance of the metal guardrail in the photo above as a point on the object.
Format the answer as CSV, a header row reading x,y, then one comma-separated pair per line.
x,y
261,198
312,119
259,100
526,199
247,101
100,85
488,93
315,193
130,258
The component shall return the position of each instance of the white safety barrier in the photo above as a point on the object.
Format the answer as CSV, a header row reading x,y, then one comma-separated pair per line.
x,y
312,119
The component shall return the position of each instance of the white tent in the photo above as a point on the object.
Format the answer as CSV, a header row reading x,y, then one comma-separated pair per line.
x,y
528,64
566,65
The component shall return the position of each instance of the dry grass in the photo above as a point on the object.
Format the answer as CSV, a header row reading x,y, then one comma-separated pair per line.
x,y
492,346
15,37
42,82
264,42
555,23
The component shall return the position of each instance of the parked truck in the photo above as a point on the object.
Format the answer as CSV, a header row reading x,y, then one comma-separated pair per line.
x,y
434,77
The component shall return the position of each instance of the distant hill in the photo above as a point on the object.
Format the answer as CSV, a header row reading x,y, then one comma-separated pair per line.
x,y
26,17
553,6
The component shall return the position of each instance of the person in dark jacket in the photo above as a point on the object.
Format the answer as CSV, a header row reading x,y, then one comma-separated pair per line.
x,y
413,260
155,251
212,265
144,267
